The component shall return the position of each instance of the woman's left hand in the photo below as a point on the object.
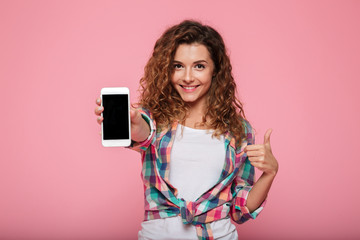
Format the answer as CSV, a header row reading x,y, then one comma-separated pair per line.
x,y
261,157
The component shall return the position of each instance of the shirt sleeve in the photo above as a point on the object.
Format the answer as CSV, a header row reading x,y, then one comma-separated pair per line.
x,y
143,146
244,183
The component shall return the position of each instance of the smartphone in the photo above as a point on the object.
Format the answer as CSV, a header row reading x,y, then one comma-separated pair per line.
x,y
116,124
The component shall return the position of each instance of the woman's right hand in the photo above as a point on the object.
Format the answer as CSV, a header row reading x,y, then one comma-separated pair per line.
x,y
98,110
140,130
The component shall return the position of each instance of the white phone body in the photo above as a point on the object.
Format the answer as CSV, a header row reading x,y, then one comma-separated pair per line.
x,y
115,128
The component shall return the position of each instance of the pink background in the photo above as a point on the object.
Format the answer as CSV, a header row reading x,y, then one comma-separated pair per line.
x,y
297,68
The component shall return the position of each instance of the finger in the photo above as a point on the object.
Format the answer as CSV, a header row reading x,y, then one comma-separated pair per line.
x,y
99,110
98,101
256,159
255,153
99,119
267,136
254,147
258,165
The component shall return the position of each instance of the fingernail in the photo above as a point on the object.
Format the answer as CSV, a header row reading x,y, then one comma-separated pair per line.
x,y
99,118
100,108
98,100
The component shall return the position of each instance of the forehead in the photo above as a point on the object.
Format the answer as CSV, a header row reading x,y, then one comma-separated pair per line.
x,y
191,52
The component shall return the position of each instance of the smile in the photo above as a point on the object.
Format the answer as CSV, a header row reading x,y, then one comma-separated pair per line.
x,y
189,87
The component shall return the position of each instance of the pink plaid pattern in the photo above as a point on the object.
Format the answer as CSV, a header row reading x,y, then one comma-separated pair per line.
x,y
226,198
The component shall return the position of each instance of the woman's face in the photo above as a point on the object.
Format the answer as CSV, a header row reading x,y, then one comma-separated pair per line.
x,y
192,73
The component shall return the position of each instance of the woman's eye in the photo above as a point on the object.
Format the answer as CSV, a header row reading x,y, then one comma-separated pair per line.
x,y
199,66
177,66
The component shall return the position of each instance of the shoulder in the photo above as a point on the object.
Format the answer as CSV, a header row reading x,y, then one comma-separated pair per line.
x,y
143,110
146,113
249,134
147,116
247,126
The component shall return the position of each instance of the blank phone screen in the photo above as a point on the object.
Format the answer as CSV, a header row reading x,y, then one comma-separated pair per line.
x,y
116,116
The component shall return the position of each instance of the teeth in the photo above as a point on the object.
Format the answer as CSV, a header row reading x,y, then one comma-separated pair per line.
x,y
188,87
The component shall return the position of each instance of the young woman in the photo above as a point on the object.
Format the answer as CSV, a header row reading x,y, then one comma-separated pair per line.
x,y
198,151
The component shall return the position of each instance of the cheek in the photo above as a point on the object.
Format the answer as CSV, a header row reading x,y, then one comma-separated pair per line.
x,y
205,76
174,78
208,80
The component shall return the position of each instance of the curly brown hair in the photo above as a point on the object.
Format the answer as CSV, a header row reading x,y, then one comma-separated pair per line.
x,y
224,111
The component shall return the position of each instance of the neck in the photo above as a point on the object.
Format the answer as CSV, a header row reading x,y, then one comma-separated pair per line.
x,y
195,115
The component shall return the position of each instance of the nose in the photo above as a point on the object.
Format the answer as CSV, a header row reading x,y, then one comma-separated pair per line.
x,y
188,76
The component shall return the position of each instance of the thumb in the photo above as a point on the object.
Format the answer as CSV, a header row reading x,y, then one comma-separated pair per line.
x,y
267,136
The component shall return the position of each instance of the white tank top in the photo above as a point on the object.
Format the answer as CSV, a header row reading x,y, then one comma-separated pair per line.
x,y
197,160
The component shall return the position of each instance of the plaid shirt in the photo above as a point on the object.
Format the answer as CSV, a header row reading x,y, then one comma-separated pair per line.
x,y
227,197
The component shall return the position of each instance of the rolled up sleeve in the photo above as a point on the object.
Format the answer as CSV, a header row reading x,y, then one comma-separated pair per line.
x,y
244,183
239,212
143,146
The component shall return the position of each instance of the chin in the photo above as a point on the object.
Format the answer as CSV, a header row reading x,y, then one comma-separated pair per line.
x,y
189,100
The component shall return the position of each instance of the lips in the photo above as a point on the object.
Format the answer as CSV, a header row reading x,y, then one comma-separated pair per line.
x,y
187,88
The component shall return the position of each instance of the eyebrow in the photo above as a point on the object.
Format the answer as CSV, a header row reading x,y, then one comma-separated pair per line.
x,y
198,61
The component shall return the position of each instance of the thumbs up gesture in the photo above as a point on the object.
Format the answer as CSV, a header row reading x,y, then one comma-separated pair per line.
x,y
261,157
